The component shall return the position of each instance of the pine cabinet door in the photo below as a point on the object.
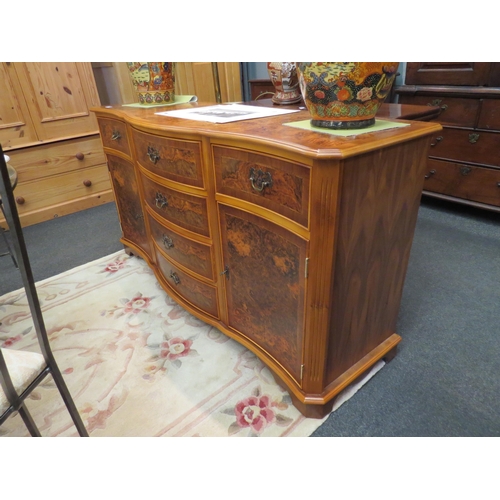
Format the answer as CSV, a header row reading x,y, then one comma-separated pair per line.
x,y
59,95
16,127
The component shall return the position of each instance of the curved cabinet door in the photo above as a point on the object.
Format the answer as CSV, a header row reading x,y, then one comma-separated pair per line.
x,y
265,284
128,202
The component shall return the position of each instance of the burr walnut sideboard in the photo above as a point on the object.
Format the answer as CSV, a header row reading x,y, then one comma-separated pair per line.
x,y
293,242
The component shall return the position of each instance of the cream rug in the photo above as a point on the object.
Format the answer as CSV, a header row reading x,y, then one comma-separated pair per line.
x,y
137,364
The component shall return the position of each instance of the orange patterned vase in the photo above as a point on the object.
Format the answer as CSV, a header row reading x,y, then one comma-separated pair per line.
x,y
345,95
283,76
154,82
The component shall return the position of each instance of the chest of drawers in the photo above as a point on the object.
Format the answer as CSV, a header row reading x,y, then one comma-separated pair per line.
x,y
294,243
463,165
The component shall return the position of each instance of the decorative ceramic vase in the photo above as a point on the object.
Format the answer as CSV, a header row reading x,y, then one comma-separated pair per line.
x,y
154,82
345,95
286,84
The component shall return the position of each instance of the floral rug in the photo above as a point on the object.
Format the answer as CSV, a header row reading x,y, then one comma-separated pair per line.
x,y
137,364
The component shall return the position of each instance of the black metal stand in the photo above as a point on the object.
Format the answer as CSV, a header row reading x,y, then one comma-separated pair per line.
x,y
19,247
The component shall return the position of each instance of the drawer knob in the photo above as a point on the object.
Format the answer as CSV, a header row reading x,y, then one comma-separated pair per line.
x,y
260,180
80,156
20,200
432,172
115,135
174,277
161,200
168,243
438,139
154,155
87,183
473,138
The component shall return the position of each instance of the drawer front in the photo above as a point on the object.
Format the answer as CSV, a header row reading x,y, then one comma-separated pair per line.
x,y
464,181
114,135
59,189
489,117
184,210
179,161
191,254
470,146
278,185
57,158
195,292
454,110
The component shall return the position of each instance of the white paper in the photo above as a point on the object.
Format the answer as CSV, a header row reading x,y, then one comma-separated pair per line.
x,y
225,113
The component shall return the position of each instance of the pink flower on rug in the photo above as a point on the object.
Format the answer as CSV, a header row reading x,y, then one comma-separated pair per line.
x,y
175,348
12,340
254,412
137,304
115,266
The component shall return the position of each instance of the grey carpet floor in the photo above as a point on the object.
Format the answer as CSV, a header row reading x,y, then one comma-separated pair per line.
x,y
445,379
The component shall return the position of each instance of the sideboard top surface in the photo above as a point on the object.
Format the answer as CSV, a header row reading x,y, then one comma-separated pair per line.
x,y
268,131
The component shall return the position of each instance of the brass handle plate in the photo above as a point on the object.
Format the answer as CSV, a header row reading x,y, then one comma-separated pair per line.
x,y
437,140
432,172
174,277
260,180
473,138
154,155
161,200
115,136
167,242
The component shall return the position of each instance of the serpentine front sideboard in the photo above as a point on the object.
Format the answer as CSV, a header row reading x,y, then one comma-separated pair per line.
x,y
293,242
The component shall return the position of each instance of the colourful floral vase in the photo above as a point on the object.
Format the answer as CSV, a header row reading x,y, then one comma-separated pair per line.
x,y
154,82
284,78
345,95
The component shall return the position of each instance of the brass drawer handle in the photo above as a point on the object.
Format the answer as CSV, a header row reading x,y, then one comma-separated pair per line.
x,y
432,172
116,135
174,277
161,200
438,139
437,102
465,170
225,272
473,138
153,154
167,242
260,180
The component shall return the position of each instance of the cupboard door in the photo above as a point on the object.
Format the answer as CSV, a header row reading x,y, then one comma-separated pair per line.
x,y
16,127
59,96
265,284
128,202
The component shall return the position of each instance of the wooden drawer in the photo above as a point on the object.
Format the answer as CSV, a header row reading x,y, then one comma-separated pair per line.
x,y
489,117
57,158
189,253
59,189
464,181
458,111
114,135
178,161
468,146
288,194
184,210
447,73
200,295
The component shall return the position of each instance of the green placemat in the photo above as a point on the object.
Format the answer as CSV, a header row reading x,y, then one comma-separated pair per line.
x,y
377,127
179,99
